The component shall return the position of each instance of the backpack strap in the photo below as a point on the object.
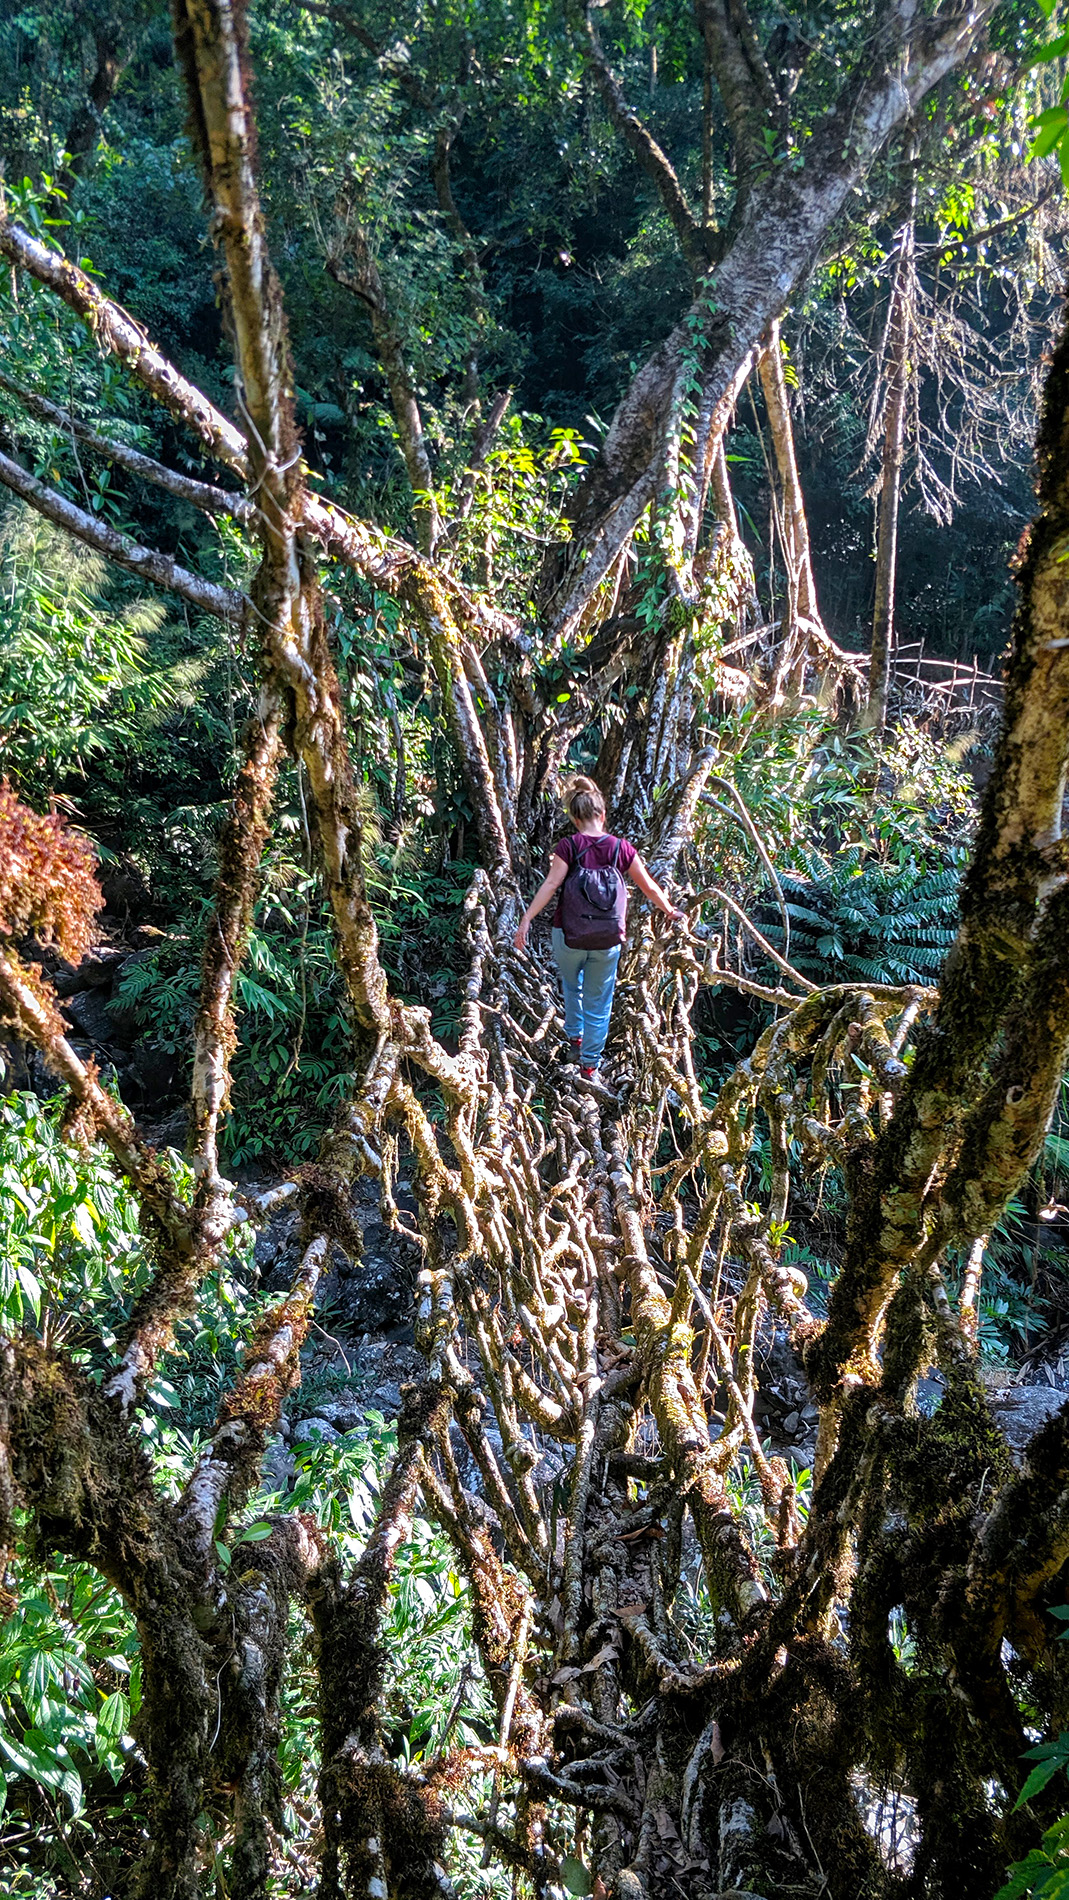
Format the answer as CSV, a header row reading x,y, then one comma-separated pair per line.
x,y
579,845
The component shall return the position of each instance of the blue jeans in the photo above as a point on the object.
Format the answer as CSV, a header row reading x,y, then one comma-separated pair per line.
x,y
589,979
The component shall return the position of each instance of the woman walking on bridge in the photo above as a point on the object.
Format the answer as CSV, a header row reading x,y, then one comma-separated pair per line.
x,y
590,920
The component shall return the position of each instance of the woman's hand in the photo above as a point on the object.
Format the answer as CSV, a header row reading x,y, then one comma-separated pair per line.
x,y
670,910
520,939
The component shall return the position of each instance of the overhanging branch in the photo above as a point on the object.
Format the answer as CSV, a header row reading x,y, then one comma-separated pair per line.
x,y
202,495
147,564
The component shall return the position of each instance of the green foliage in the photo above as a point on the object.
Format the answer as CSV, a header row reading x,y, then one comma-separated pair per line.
x,y
69,1238
70,1689
1008,1309
428,1623
73,1260
1052,123
70,1771
575,1875
1045,1870
517,507
869,871
76,680
1044,1873
1049,1757
293,1062
856,921
807,786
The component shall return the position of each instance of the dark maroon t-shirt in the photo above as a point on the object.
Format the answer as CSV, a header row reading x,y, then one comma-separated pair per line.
x,y
594,852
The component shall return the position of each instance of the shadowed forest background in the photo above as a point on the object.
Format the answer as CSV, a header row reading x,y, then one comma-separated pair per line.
x,y
422,1473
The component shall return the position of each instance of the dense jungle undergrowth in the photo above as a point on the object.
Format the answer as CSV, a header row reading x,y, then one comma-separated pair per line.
x,y
423,1470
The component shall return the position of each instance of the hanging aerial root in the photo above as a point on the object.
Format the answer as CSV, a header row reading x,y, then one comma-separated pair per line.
x,y
170,1295
241,846
229,1465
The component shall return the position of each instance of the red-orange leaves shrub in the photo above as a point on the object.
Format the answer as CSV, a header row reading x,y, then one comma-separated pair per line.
x,y
47,878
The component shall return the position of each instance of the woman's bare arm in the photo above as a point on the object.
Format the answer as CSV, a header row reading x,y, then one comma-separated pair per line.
x,y
649,887
548,888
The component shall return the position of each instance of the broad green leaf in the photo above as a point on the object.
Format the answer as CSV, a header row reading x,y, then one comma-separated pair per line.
x,y
1043,1772
113,1716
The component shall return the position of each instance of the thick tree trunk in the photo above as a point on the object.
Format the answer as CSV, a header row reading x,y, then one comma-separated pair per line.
x,y
778,236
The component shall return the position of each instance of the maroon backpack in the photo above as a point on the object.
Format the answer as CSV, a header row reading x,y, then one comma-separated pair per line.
x,y
593,901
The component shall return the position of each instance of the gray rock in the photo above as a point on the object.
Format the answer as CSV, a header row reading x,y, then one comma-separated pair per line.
x,y
125,1020
342,1412
278,1465
169,1131
386,1399
779,1364
277,1246
315,1427
791,1423
551,1466
157,1072
1022,1409
123,885
88,1011
65,980
97,971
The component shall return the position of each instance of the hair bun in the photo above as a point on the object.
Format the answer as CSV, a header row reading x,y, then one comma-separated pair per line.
x,y
582,800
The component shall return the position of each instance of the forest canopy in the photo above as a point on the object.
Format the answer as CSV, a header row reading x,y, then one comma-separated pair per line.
x,y
431,1463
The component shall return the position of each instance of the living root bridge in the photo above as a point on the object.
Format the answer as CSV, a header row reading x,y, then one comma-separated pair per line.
x,y
691,1679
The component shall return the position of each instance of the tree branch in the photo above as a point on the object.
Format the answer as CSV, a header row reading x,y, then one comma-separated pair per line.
x,y
384,560
780,230
363,281
210,501
162,570
89,1486
695,242
1003,988
29,1006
